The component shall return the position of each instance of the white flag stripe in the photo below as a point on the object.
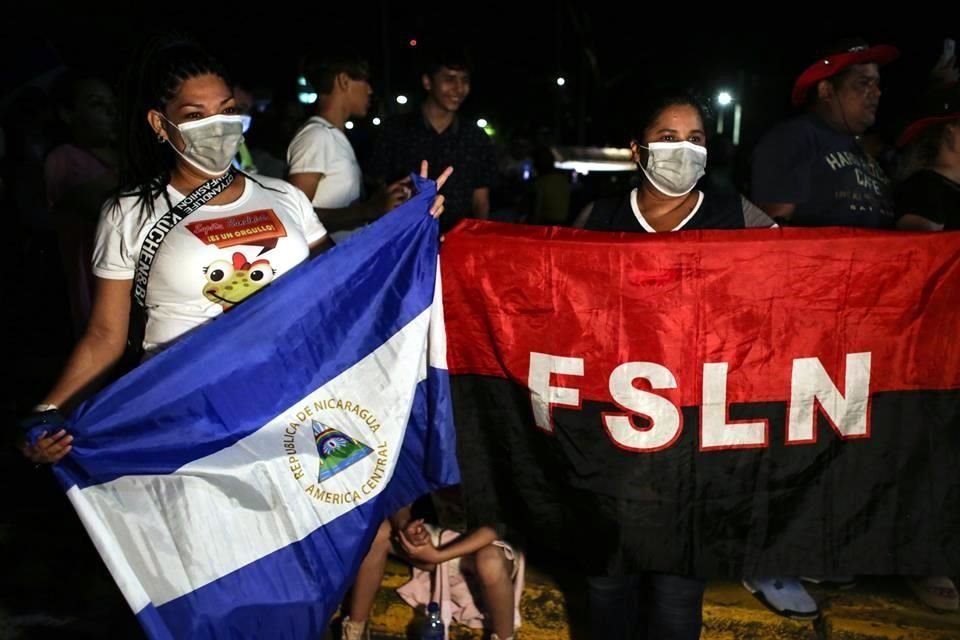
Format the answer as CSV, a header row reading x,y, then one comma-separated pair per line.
x,y
181,531
106,544
438,332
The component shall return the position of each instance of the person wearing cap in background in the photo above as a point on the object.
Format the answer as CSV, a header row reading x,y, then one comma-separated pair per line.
x,y
928,199
813,171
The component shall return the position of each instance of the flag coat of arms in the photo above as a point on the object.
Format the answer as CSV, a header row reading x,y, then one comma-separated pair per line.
x,y
233,483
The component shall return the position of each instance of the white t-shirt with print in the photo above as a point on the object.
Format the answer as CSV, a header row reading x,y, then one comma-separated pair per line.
x,y
319,147
213,259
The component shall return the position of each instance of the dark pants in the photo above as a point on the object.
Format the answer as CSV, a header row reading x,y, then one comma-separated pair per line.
x,y
651,606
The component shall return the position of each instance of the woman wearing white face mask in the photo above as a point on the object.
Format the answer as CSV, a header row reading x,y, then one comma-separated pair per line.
x,y
185,238
671,154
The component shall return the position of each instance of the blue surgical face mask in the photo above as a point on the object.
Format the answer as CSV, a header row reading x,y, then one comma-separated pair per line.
x,y
211,143
673,168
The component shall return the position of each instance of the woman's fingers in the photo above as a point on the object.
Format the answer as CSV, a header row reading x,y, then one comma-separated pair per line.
x,y
443,177
437,207
425,173
52,448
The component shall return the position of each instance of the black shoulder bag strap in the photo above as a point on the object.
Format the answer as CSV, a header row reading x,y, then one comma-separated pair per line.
x,y
148,252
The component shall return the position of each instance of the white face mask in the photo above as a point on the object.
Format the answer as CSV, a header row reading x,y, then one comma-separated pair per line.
x,y
673,168
210,143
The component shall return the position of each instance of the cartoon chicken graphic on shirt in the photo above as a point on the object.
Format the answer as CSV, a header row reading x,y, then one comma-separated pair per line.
x,y
229,284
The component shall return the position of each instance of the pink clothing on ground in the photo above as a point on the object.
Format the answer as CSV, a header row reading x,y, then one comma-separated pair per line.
x,y
450,589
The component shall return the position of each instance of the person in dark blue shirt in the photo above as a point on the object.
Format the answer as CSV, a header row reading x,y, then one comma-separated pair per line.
x,y
812,170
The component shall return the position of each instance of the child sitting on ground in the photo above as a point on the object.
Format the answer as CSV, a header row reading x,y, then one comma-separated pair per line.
x,y
479,553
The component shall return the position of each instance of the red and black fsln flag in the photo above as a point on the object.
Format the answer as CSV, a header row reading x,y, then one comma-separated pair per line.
x,y
718,403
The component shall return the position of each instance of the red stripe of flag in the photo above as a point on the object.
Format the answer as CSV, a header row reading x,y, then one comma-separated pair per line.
x,y
753,299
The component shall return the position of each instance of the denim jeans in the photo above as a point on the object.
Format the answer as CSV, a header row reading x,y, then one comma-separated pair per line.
x,y
650,606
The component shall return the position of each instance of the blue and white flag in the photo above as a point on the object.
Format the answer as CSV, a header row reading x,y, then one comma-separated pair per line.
x,y
234,482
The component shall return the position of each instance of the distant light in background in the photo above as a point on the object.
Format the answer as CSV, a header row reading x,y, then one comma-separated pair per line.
x,y
349,124
724,98
401,99
584,167
376,122
413,42
584,160
561,81
482,122
305,93
490,131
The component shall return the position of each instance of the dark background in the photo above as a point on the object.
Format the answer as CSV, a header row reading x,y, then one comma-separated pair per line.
x,y
611,54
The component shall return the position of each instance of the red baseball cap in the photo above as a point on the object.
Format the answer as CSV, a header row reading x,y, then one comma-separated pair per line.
x,y
837,58
942,106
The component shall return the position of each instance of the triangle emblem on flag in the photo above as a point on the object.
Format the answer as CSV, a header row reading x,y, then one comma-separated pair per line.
x,y
337,450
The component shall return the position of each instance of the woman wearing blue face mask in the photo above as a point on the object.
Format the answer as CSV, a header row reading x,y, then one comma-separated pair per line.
x,y
186,237
671,154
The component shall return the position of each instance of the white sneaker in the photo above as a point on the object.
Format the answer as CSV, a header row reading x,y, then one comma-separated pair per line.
x,y
938,592
783,596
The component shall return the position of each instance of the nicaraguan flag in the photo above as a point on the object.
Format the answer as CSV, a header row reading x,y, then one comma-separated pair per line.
x,y
234,482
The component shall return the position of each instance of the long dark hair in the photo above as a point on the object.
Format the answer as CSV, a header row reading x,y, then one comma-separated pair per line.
x,y
153,79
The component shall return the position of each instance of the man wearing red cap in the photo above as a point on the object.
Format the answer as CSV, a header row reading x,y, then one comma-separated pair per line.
x,y
813,170
928,199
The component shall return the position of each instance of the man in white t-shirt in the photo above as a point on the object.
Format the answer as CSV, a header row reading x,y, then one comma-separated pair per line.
x,y
321,160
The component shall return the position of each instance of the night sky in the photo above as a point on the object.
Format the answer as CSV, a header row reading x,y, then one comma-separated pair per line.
x,y
610,57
